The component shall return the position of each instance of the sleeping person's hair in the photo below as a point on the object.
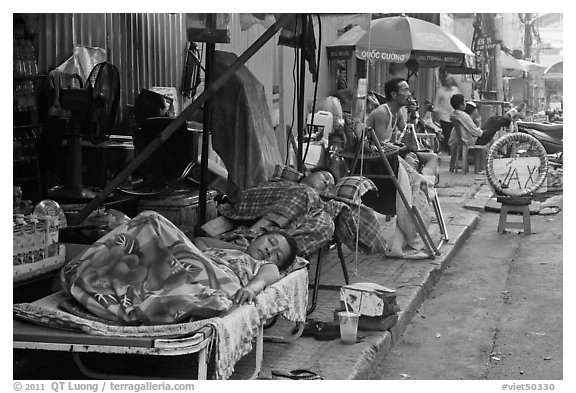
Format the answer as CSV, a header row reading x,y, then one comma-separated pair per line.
x,y
319,178
293,248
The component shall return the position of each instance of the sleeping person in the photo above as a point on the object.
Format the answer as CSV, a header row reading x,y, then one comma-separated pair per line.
x,y
275,251
147,271
312,210
293,205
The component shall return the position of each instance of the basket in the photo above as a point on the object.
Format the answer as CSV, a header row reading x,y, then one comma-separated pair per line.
x,y
181,208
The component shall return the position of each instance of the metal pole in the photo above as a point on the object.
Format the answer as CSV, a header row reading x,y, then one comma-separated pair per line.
x,y
416,219
207,131
181,119
281,132
498,84
301,121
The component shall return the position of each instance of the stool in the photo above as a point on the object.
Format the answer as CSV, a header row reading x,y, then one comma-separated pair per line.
x,y
460,151
514,205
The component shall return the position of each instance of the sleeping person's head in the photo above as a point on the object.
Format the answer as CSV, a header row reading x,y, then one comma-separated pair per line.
x,y
321,179
276,246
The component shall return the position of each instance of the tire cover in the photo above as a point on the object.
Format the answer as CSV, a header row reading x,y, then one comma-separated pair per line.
x,y
541,155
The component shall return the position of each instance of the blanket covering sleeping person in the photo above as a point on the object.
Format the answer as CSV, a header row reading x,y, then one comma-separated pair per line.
x,y
304,213
147,271
313,218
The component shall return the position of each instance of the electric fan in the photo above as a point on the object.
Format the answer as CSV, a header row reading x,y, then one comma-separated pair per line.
x,y
94,111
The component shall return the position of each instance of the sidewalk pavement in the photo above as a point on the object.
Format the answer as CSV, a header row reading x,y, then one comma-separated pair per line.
x,y
462,197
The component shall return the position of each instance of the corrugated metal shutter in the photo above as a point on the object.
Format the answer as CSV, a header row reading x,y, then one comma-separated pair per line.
x,y
147,49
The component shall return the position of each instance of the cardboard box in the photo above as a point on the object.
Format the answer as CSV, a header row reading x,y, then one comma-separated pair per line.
x,y
369,299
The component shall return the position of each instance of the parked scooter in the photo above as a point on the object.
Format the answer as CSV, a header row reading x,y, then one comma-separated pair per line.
x,y
427,125
549,135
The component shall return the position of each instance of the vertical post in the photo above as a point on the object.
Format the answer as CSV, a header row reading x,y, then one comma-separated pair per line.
x,y
209,75
302,76
281,132
528,56
498,84
527,35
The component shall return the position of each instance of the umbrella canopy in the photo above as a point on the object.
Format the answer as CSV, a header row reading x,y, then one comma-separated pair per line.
x,y
399,38
531,66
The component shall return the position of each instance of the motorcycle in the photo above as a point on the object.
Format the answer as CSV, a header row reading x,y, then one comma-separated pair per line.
x,y
550,135
427,125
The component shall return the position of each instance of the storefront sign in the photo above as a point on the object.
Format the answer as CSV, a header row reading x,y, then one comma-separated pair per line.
x,y
485,43
388,55
435,59
336,53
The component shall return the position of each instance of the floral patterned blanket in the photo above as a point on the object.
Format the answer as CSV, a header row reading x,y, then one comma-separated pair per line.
x,y
147,271
147,279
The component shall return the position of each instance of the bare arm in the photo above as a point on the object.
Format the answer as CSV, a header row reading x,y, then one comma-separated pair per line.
x,y
267,275
379,120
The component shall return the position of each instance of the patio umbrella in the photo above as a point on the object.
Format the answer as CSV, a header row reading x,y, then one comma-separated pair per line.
x,y
400,38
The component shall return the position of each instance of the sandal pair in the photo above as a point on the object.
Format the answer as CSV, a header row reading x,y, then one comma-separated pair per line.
x,y
299,374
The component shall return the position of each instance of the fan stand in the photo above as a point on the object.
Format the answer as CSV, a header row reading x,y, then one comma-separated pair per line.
x,y
72,190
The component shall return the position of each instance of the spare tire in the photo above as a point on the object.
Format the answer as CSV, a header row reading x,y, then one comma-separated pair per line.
x,y
534,149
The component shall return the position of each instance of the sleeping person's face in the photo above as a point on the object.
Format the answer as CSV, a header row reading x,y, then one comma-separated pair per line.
x,y
320,181
272,247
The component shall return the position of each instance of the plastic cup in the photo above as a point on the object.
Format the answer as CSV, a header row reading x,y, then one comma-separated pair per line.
x,y
348,326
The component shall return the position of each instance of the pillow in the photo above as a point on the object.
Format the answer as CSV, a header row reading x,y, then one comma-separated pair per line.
x,y
285,172
298,263
353,187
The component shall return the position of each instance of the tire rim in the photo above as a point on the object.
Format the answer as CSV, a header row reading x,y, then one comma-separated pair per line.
x,y
515,139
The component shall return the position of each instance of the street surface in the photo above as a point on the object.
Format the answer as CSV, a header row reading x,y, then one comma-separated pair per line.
x,y
496,312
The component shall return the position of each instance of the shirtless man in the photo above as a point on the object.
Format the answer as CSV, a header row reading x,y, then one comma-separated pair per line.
x,y
390,118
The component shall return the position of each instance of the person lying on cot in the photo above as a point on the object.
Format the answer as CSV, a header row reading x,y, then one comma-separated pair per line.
x,y
276,247
319,179
147,271
306,208
314,219
288,203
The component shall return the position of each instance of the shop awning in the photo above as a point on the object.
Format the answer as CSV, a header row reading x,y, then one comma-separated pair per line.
x,y
343,46
530,66
509,62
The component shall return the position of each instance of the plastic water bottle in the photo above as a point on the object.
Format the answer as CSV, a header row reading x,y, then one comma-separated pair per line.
x,y
18,240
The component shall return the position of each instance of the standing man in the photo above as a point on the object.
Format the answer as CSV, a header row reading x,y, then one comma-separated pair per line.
x,y
443,109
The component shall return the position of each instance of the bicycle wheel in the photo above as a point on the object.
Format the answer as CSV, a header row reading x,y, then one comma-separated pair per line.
x,y
517,165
